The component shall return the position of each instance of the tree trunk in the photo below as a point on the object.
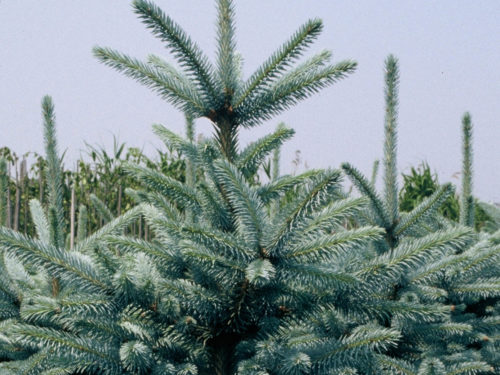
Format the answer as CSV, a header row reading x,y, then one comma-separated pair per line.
x,y
223,348
119,208
24,188
140,227
227,136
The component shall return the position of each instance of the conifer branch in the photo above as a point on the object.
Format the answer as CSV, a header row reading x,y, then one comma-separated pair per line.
x,y
424,210
397,366
295,86
215,207
187,53
129,244
469,368
368,190
362,340
480,288
171,188
114,226
47,337
413,253
171,86
320,277
332,216
227,243
322,189
69,266
209,258
40,221
334,245
227,64
185,147
246,205
280,60
276,188
251,158
102,210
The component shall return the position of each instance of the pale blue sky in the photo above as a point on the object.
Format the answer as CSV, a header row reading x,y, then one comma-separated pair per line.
x,y
449,54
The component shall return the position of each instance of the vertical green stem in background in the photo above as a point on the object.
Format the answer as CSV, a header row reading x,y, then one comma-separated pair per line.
x,y
72,218
9,203
4,186
17,200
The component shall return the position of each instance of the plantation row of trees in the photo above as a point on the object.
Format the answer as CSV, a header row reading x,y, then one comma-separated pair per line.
x,y
237,275
97,185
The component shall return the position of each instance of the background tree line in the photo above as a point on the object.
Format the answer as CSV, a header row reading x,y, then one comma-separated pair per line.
x,y
96,179
101,175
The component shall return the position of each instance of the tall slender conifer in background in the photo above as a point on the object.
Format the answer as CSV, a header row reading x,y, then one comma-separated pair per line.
x,y
390,154
38,275
466,198
427,261
54,174
385,212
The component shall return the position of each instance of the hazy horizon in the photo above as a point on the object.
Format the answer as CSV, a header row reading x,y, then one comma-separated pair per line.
x,y
448,63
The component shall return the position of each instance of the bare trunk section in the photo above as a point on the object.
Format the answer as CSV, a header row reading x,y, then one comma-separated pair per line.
x,y
8,224
119,208
227,133
140,227
24,185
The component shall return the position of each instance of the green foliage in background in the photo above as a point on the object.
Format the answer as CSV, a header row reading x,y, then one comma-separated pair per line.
x,y
99,173
421,183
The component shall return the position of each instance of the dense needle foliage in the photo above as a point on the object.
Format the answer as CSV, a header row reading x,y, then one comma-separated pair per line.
x,y
291,276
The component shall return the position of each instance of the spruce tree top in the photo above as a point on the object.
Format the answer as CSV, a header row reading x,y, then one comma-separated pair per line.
x,y
217,92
